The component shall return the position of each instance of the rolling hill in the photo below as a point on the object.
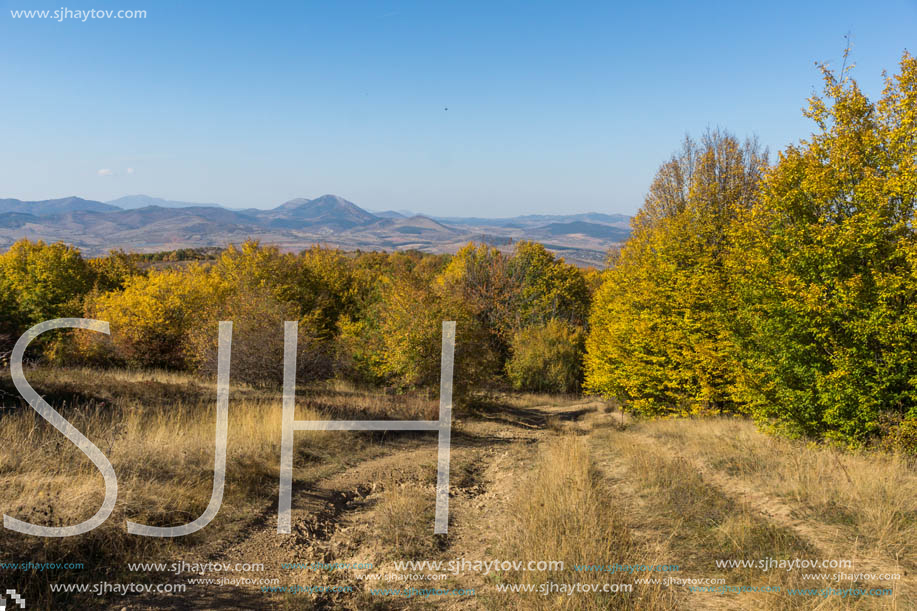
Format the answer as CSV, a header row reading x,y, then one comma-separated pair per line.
x,y
142,223
53,206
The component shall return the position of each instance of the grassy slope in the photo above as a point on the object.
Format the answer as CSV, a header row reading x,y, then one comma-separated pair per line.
x,y
533,477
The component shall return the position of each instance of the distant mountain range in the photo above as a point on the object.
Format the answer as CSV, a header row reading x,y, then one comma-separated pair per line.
x,y
49,207
141,223
132,202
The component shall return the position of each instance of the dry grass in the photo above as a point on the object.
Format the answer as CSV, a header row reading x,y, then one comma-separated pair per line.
x,y
707,520
702,525
157,429
528,399
563,511
403,517
868,499
342,400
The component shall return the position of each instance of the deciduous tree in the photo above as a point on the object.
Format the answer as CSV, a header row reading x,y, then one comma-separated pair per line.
x,y
826,268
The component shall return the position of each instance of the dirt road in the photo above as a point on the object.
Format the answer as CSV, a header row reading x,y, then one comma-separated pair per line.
x,y
379,511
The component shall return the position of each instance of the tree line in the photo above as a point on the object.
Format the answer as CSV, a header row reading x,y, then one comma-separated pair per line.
x,y
371,317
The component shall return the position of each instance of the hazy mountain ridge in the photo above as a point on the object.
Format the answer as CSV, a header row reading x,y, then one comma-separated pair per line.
x,y
97,227
529,220
132,202
53,206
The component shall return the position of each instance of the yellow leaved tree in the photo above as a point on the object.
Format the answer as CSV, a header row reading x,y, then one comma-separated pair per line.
x,y
659,335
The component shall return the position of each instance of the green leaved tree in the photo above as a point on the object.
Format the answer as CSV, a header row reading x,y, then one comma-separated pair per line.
x,y
825,267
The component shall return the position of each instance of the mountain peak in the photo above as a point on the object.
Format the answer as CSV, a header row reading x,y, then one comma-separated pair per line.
x,y
327,209
293,203
323,200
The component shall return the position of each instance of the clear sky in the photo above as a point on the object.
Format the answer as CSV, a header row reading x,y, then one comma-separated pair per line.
x,y
552,106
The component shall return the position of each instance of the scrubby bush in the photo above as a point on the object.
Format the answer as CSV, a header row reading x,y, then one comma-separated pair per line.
x,y
151,318
8,309
41,282
546,288
410,337
257,339
507,293
547,358
112,271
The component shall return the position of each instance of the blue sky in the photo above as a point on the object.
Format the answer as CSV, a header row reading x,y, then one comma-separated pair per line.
x,y
552,106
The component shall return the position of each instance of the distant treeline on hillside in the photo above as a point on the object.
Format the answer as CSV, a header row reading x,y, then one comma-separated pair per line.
x,y
373,317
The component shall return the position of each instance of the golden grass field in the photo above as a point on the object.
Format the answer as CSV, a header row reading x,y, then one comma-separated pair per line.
x,y
533,478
